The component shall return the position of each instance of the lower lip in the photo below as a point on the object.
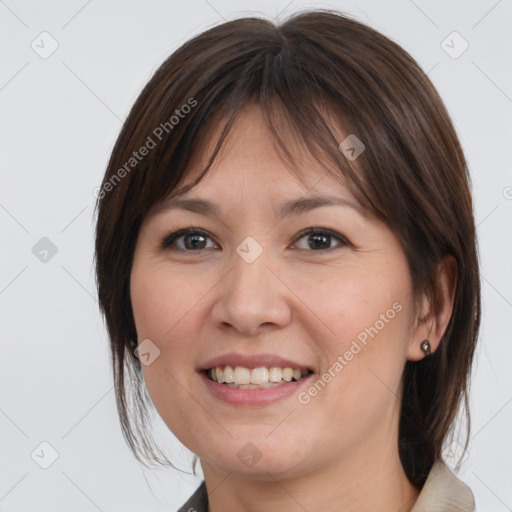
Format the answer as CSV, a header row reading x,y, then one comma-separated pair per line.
x,y
253,397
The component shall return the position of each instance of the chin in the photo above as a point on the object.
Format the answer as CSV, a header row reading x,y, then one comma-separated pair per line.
x,y
258,456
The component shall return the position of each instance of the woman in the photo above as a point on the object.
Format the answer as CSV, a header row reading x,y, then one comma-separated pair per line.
x,y
287,265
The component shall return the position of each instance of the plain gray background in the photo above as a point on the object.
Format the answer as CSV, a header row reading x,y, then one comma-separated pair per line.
x,y
60,115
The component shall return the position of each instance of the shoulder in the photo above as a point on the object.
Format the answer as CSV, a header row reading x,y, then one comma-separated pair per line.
x,y
198,502
443,491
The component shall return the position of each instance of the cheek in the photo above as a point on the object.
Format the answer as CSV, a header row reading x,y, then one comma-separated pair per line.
x,y
166,306
355,301
361,322
163,300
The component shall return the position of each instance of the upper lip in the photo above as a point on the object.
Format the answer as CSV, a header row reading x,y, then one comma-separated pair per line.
x,y
252,361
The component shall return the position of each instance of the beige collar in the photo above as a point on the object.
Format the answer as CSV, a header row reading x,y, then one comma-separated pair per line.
x,y
444,492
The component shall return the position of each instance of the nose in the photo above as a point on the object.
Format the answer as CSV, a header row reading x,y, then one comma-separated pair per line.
x,y
251,298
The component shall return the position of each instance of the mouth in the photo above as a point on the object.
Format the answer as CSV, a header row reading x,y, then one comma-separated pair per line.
x,y
240,377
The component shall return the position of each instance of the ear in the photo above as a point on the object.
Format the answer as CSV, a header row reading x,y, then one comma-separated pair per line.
x,y
434,313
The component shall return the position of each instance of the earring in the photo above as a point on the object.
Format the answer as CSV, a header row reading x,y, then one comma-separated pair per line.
x,y
425,346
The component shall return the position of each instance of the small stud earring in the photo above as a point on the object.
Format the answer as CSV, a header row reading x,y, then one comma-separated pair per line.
x,y
425,346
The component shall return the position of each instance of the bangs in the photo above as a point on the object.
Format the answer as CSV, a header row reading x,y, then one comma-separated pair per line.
x,y
301,120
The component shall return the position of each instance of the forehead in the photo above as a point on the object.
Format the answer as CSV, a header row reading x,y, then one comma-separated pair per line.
x,y
251,158
249,170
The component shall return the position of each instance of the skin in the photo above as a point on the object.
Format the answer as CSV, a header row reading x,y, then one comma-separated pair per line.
x,y
339,451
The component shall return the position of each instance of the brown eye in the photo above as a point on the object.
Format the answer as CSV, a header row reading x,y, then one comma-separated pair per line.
x,y
191,239
319,240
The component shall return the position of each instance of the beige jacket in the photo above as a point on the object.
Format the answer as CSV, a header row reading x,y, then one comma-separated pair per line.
x,y
442,492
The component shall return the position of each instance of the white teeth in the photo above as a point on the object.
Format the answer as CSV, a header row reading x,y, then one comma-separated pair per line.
x,y
242,375
287,374
275,374
229,374
259,376
245,378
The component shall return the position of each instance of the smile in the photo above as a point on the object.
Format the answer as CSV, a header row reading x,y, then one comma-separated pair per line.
x,y
241,377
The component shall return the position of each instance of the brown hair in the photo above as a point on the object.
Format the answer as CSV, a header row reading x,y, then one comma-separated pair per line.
x,y
412,175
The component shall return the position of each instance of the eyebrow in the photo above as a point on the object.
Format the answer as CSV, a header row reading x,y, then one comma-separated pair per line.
x,y
293,207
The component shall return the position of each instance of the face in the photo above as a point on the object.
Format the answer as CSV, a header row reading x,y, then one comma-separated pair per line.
x,y
257,270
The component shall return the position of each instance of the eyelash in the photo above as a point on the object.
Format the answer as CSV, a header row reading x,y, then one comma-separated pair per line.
x,y
173,237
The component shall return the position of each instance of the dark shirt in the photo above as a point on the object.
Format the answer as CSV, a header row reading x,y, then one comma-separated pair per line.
x,y
198,502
